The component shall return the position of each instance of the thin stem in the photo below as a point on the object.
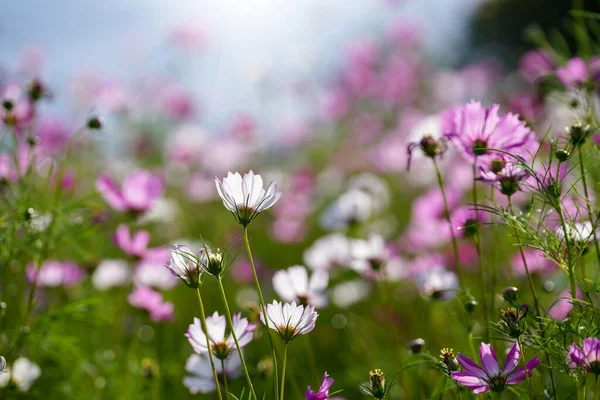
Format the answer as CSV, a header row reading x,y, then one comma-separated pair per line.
x,y
493,255
264,310
283,370
527,377
589,208
225,379
447,215
570,266
596,388
477,239
210,357
458,390
536,303
237,345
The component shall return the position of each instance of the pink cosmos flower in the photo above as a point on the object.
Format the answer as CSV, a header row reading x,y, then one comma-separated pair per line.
x,y
323,392
589,356
139,191
536,262
53,136
561,308
574,73
15,109
135,245
151,301
56,273
482,380
536,64
475,130
176,103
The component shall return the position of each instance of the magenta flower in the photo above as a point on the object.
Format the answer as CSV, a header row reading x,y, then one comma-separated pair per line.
x,y
475,130
151,301
135,245
323,393
139,191
506,175
574,73
589,356
482,380
535,64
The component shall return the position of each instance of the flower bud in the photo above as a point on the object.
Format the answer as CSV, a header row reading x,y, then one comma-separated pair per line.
x,y
36,90
510,294
429,146
562,155
377,382
470,306
95,123
578,133
416,345
449,359
513,320
214,264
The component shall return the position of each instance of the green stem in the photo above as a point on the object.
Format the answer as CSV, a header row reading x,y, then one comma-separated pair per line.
x,y
210,357
588,207
283,370
225,379
493,256
264,311
568,245
527,377
237,345
458,391
477,239
447,215
596,388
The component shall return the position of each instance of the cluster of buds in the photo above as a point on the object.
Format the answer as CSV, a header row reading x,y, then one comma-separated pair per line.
x,y
430,146
513,320
190,267
377,387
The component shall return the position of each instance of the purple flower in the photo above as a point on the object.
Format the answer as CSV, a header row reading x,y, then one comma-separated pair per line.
x,y
507,175
482,380
589,356
323,393
476,129
574,73
139,191
466,219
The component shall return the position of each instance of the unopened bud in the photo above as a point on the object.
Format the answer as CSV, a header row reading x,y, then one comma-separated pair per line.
x,y
95,123
562,155
510,294
416,345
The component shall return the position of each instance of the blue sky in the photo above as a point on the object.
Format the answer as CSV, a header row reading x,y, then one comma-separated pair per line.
x,y
249,40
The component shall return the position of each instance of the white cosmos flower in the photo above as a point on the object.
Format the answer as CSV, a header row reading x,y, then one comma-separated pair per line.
x,y
352,207
110,274
368,255
23,373
246,197
374,186
290,320
348,293
221,343
292,284
328,252
579,232
183,264
201,379
151,274
438,283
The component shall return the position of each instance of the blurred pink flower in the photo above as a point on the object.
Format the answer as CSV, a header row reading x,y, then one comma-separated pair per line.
x,y
335,104
53,136
139,191
574,73
56,273
15,109
563,306
536,64
31,60
536,262
187,37
176,102
243,127
135,245
151,301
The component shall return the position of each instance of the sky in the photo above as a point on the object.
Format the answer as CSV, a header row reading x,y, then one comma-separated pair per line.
x,y
252,46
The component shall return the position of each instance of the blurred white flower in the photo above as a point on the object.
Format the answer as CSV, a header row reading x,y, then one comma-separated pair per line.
x,y
290,320
353,206
437,283
110,274
246,197
374,186
39,222
23,373
581,232
161,211
151,274
348,293
292,284
368,255
201,379
328,252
